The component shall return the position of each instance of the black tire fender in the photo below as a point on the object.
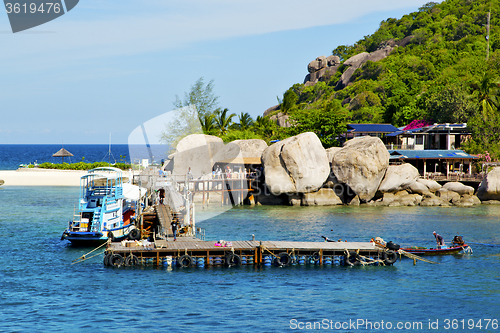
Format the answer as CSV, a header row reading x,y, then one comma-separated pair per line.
x,y
233,260
106,260
353,259
391,257
284,259
116,260
185,261
132,260
134,234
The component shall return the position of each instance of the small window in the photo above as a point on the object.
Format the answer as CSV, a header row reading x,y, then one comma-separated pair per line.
x,y
419,140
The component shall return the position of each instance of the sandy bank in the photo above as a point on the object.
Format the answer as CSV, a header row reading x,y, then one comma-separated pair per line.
x,y
41,177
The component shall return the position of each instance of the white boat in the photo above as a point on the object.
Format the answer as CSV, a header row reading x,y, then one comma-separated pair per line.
x,y
106,209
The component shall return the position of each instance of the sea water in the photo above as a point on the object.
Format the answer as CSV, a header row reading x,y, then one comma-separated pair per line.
x,y
42,291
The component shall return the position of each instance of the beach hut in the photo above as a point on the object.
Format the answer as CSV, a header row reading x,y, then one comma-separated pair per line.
x,y
62,153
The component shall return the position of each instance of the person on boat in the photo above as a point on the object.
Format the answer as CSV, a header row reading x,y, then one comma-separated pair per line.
x,y
174,228
439,240
458,241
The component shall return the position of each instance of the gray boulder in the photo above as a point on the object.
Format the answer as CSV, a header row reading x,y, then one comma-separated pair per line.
x,y
459,188
317,64
430,199
432,185
379,54
419,188
447,194
333,60
489,189
324,197
361,164
281,119
271,109
295,165
237,150
398,177
466,200
196,151
357,60
331,151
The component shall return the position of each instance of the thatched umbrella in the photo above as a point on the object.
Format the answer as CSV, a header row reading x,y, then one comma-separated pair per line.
x,y
62,153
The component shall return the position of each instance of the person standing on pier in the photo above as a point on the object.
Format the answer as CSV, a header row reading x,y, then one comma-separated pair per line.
x,y
174,228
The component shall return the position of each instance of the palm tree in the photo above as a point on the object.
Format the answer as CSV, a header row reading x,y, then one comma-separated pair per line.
x,y
245,121
488,95
223,121
207,122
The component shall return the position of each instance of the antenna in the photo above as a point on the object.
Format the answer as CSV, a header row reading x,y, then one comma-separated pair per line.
x,y
109,154
488,34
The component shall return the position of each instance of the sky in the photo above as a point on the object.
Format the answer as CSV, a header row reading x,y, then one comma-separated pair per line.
x,y
106,67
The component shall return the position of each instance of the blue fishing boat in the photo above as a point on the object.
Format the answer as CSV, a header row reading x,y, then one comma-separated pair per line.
x,y
106,209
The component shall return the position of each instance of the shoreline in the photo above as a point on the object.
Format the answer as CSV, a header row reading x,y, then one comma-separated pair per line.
x,y
41,177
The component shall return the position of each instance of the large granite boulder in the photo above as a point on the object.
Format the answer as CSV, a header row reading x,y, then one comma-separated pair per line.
x,y
324,197
459,188
431,199
317,64
295,165
281,119
196,151
432,185
331,151
379,54
271,110
447,195
361,164
236,150
489,189
399,177
333,60
466,200
418,188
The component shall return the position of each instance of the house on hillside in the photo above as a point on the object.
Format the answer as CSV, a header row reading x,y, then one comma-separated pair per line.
x,y
433,149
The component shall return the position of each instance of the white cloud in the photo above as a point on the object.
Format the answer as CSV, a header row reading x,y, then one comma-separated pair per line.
x,y
136,27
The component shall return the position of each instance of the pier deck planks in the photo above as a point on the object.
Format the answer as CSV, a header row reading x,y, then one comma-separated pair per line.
x,y
199,245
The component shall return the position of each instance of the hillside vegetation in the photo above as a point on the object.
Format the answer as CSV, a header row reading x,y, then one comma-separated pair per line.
x,y
445,70
443,75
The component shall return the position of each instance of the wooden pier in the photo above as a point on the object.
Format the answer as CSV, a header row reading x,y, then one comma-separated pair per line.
x,y
197,253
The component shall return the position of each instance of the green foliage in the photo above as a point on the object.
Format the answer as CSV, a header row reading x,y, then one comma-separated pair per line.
x,y
82,165
327,123
245,134
200,95
223,121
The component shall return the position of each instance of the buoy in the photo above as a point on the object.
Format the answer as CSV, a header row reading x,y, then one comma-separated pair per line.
x,y
217,261
243,260
327,260
200,262
168,261
302,260
267,260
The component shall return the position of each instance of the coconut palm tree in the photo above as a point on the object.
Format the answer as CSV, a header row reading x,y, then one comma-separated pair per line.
x,y
488,96
223,121
245,121
207,122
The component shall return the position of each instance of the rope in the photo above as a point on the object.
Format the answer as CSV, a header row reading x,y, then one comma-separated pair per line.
x,y
413,256
82,258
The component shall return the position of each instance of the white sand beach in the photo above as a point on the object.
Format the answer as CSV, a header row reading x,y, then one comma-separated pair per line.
x,y
41,177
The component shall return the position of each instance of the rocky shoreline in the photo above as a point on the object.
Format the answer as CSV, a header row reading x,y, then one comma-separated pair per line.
x,y
298,171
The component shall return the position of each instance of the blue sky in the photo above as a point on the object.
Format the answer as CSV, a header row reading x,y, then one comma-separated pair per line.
x,y
109,66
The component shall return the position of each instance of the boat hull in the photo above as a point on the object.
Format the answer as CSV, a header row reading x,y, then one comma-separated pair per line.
x,y
80,238
436,252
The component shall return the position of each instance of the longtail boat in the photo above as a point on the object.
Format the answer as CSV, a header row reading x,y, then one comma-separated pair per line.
x,y
422,251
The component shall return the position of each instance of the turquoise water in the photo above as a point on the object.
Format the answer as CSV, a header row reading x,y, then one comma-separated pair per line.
x,y
41,291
